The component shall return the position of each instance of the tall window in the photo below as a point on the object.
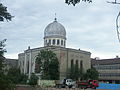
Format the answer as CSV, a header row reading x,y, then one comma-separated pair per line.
x,y
28,67
81,64
61,42
58,42
53,41
77,63
72,63
64,43
46,42
20,63
23,62
49,41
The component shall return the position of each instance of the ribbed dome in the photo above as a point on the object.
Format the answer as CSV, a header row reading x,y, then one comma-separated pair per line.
x,y
55,29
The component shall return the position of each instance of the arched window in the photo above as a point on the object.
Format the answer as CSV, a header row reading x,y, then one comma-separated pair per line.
x,y
37,67
53,42
61,42
58,42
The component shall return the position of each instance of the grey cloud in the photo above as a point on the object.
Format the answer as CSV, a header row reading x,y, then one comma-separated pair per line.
x,y
89,26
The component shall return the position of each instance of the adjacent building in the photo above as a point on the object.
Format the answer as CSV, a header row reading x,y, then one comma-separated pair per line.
x,y
109,69
11,63
55,40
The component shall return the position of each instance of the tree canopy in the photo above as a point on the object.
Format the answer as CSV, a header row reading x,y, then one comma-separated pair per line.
x,y
33,80
16,77
2,45
78,73
2,58
5,82
74,72
74,2
92,74
48,65
4,14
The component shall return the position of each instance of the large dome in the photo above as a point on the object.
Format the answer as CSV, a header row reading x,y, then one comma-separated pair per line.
x,y
55,29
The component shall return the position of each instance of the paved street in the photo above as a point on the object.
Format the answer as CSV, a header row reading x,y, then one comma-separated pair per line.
x,y
71,89
77,89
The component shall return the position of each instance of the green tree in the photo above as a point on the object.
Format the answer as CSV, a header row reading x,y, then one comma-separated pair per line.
x,y
81,71
91,74
74,72
48,64
77,74
2,58
5,82
14,74
23,79
54,69
16,77
33,80
4,14
74,2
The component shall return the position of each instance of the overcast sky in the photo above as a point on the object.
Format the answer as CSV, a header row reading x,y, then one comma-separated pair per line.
x,y
90,27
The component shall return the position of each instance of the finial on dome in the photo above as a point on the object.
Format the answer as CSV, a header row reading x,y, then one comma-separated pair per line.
x,y
55,17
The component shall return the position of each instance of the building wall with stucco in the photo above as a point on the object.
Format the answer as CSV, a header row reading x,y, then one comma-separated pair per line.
x,y
64,55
